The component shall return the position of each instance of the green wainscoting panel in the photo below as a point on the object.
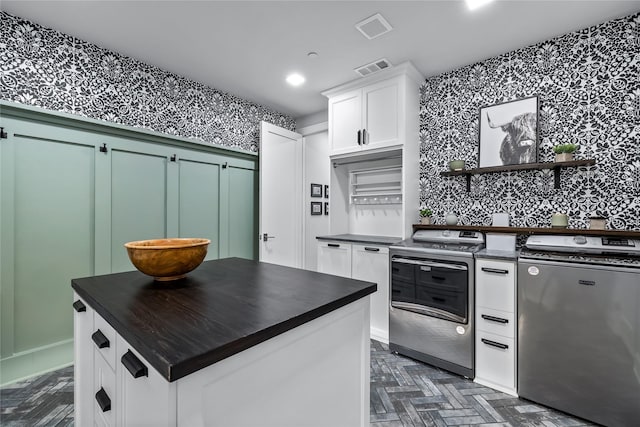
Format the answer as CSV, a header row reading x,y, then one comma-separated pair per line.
x,y
138,202
242,209
67,208
199,203
48,238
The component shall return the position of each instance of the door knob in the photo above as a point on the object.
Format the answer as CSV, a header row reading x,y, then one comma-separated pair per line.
x,y
266,237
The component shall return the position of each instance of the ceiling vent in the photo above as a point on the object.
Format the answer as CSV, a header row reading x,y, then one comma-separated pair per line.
x,y
373,67
374,26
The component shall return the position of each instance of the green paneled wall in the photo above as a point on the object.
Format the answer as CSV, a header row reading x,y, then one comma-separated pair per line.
x,y
66,209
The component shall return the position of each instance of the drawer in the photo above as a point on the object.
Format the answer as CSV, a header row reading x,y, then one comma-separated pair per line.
x,y
496,322
494,363
104,340
104,390
495,285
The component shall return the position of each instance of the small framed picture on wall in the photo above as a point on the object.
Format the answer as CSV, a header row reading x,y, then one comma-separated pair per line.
x,y
509,133
316,190
326,191
316,208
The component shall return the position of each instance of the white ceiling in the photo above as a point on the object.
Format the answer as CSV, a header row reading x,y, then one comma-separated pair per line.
x,y
248,47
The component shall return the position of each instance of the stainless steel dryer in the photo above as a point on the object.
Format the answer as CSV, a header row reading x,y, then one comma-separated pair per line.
x,y
432,298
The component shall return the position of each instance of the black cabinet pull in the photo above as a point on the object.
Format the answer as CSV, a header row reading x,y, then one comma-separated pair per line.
x,y
103,400
79,306
365,137
494,319
359,137
134,365
371,249
495,344
333,245
100,340
494,270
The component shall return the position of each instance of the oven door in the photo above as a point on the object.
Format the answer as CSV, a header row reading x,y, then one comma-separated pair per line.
x,y
430,287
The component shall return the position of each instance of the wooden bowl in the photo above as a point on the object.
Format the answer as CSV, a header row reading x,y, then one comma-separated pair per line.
x,y
167,259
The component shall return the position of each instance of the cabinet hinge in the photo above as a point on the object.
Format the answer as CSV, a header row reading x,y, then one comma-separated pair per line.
x,y
103,149
3,134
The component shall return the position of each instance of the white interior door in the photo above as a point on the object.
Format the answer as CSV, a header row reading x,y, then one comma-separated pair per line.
x,y
281,206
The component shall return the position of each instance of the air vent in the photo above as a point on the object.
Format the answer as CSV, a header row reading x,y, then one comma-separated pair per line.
x,y
374,26
373,67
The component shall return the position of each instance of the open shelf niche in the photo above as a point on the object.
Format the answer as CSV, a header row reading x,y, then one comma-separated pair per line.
x,y
376,186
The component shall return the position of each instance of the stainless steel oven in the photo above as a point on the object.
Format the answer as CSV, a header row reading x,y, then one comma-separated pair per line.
x,y
432,298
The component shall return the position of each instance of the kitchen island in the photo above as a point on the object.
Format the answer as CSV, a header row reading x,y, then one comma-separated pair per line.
x,y
235,343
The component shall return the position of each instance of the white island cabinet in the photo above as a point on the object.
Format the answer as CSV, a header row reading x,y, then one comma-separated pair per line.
x,y
496,324
278,366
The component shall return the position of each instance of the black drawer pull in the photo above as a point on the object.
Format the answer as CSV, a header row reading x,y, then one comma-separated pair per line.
x,y
79,306
587,282
100,340
494,319
103,400
494,270
134,365
366,248
333,245
495,344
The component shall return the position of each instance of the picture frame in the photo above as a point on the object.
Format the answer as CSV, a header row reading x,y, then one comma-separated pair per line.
x,y
326,208
316,208
316,190
508,133
326,191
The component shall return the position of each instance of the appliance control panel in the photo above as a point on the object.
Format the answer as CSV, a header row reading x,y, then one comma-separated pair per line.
x,y
584,244
449,236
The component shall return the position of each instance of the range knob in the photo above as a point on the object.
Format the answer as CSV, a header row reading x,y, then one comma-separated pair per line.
x,y
580,240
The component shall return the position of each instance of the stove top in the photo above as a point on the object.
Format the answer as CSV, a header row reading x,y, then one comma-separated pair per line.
x,y
608,259
443,240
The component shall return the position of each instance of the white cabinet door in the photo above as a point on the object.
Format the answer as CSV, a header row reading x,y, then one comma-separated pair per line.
x,y
371,263
83,363
381,114
345,120
144,396
495,361
334,258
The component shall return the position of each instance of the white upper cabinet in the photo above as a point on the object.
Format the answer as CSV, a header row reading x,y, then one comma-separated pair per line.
x,y
371,113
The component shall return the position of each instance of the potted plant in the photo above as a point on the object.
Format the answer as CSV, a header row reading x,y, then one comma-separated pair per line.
x,y
425,216
564,152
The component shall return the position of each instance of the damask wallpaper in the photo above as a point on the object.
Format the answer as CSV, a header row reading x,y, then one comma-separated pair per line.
x,y
588,83
45,68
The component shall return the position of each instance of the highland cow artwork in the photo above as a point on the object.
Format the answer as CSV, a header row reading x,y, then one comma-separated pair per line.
x,y
509,133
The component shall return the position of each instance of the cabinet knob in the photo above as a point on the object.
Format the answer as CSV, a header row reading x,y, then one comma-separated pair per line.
x,y
135,367
103,400
100,340
79,306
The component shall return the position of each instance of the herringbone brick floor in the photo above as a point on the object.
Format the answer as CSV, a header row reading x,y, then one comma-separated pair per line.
x,y
404,392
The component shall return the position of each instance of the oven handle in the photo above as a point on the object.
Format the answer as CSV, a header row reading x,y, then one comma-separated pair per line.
x,y
428,311
429,263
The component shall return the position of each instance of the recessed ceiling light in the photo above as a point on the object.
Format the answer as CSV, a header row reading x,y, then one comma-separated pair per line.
x,y
295,79
474,4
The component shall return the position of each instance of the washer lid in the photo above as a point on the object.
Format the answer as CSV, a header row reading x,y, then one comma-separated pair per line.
x,y
584,244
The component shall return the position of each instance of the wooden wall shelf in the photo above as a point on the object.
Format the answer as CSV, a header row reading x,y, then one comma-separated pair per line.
x,y
532,230
555,166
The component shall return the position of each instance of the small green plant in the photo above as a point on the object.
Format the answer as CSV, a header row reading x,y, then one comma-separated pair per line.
x,y
565,148
425,212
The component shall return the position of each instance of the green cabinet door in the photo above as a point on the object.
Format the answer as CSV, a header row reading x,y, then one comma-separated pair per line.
x,y
199,202
138,202
46,229
242,213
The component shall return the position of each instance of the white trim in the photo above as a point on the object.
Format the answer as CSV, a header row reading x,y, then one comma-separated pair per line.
x,y
313,129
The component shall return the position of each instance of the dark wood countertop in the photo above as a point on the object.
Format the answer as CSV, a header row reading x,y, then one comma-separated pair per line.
x,y
220,309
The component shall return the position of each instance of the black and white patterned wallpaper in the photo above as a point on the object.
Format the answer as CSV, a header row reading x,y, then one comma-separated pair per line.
x,y
45,68
589,87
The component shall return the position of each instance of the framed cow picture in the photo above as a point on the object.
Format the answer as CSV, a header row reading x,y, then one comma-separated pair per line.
x,y
509,133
